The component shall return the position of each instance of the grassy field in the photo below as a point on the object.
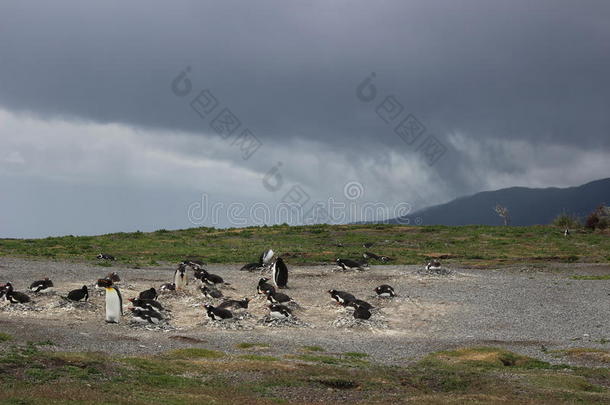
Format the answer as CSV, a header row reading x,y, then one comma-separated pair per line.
x,y
30,374
469,245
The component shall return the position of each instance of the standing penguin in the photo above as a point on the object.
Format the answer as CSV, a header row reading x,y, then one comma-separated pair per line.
x,y
280,273
180,277
114,301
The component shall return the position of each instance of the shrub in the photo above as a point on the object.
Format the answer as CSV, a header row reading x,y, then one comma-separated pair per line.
x,y
598,219
567,221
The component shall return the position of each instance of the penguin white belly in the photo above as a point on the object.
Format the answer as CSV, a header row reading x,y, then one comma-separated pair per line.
x,y
180,280
385,295
113,305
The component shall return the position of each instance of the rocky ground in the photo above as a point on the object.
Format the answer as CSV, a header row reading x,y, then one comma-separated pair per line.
x,y
532,310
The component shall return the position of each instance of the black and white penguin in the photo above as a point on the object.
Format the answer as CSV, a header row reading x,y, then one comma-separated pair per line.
x,y
385,291
274,297
79,294
194,263
349,264
180,277
279,311
146,315
251,267
362,313
105,256
146,304
263,286
566,232
150,294
235,304
167,287
341,297
433,265
359,303
14,297
208,278
265,258
42,286
373,256
114,277
217,314
114,300
368,245
279,272
210,292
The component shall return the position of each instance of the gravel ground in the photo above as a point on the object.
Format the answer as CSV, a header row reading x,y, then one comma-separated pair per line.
x,y
527,309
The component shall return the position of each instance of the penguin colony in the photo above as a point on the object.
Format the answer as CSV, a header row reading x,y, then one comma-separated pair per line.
x,y
145,308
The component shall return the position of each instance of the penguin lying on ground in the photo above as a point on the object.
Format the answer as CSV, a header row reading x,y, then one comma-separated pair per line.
x,y
263,286
14,297
104,256
250,267
279,311
217,314
167,287
208,278
79,294
361,313
341,297
359,304
146,315
385,291
150,294
349,264
235,304
433,265
114,277
274,297
114,300
370,255
279,272
42,286
210,292
146,304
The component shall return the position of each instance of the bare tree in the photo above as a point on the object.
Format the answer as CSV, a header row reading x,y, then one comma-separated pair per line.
x,y
503,213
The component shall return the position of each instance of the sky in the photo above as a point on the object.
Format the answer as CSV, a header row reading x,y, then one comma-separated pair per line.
x,y
144,115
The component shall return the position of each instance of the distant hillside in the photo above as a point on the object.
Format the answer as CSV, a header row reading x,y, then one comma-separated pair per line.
x,y
527,206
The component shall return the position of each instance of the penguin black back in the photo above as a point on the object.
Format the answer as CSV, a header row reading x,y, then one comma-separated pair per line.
x,y
280,273
79,294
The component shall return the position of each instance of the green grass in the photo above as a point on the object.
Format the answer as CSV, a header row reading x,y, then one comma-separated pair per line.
x,y
604,277
313,349
476,245
5,337
252,345
28,374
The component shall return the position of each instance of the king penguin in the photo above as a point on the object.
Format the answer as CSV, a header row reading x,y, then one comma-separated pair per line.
x,y
114,301
180,277
280,273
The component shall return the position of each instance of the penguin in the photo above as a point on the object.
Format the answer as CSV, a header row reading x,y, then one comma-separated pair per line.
x,y
280,273
367,245
362,313
348,264
341,297
433,265
212,279
114,301
210,292
150,294
114,277
277,298
217,314
250,267
146,304
263,286
265,258
14,297
194,262
236,304
104,256
167,287
566,232
279,311
79,294
371,255
41,286
359,304
146,315
385,291
180,277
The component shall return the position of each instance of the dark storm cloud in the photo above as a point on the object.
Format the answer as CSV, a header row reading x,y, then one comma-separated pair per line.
x,y
493,72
